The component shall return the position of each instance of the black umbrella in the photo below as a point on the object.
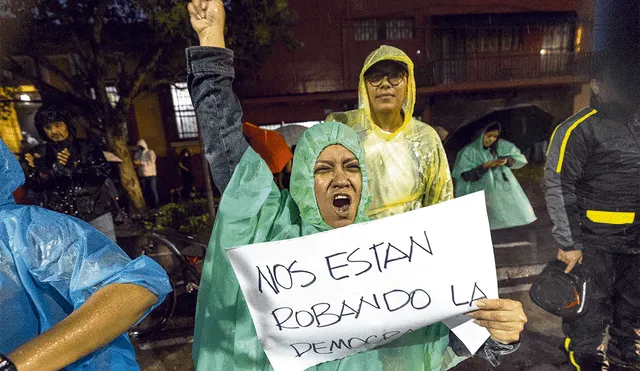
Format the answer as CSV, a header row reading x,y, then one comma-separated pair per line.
x,y
523,125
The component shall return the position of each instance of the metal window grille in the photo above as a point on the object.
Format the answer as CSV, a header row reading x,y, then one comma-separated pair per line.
x,y
399,29
366,30
384,29
186,123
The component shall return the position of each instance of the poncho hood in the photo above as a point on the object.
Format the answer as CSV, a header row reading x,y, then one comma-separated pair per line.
x,y
388,53
313,141
11,175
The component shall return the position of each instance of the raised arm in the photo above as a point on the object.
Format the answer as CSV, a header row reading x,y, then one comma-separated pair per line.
x,y
210,75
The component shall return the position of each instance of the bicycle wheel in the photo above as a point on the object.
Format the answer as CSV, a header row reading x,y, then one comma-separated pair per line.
x,y
156,320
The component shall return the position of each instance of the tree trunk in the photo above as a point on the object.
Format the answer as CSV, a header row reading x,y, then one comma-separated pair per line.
x,y
128,175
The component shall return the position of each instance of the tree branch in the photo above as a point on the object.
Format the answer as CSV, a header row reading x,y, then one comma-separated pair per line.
x,y
45,62
143,69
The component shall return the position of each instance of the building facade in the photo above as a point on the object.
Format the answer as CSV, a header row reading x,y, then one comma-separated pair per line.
x,y
471,57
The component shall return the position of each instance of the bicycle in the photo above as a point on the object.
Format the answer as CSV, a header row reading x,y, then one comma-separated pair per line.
x,y
182,266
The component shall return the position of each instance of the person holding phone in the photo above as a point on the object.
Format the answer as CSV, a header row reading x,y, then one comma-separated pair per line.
x,y
485,164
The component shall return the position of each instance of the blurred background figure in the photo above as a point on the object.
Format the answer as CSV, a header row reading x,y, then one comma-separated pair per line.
x,y
485,164
186,174
145,162
70,173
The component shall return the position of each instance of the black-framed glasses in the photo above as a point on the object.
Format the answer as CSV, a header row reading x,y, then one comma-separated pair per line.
x,y
394,78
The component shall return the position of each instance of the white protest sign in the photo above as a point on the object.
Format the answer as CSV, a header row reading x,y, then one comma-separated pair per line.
x,y
329,295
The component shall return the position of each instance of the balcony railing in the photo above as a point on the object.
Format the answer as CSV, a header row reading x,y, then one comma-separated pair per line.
x,y
475,69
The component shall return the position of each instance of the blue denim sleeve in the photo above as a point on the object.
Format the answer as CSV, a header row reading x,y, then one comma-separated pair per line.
x,y
210,76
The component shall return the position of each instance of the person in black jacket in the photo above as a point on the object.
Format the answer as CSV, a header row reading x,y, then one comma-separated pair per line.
x,y
72,173
592,189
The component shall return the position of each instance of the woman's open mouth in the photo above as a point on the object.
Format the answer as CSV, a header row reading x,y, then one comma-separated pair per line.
x,y
342,203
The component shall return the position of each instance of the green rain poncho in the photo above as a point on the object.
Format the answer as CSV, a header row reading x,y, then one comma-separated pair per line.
x,y
253,210
408,168
507,204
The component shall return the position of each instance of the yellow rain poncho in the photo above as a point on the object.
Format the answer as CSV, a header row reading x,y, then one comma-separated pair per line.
x,y
254,210
408,169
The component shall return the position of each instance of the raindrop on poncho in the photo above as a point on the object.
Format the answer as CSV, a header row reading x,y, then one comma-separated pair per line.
x,y
254,210
507,204
408,168
51,263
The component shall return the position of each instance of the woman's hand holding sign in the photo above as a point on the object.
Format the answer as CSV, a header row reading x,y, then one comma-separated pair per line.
x,y
503,318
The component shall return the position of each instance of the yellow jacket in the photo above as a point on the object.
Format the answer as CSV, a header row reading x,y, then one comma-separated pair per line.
x,y
408,168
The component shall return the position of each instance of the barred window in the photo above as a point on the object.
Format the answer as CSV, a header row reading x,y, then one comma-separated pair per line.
x,y
384,29
366,30
399,29
185,114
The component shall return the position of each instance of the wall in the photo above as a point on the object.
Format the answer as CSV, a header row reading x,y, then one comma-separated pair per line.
x,y
329,59
453,110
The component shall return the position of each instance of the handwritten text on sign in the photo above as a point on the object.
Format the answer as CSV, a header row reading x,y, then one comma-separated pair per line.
x,y
326,296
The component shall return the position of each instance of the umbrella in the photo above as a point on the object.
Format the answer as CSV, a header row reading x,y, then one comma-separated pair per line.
x,y
291,133
269,144
523,125
111,157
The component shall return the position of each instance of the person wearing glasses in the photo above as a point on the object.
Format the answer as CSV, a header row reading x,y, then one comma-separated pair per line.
x,y
408,168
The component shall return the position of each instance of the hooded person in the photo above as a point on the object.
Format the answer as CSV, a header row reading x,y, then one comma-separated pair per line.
x,y
253,210
329,189
68,292
145,162
71,173
408,168
486,164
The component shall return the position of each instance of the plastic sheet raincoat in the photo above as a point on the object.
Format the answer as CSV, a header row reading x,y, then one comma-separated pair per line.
x,y
50,264
254,210
507,204
408,168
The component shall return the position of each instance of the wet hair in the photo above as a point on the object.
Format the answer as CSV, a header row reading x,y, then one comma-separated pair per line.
x,y
494,126
48,113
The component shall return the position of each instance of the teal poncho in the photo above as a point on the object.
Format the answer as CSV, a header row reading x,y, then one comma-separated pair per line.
x,y
254,210
507,204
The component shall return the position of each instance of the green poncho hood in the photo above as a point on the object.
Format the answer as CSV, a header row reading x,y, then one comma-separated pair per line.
x,y
309,147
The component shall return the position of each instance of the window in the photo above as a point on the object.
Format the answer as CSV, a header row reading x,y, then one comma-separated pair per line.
x,y
557,38
457,42
185,114
112,94
384,29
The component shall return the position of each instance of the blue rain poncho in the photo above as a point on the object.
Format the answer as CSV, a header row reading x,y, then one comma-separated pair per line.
x,y
507,204
254,210
51,263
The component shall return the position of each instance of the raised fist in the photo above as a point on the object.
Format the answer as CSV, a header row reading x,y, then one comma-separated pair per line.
x,y
207,19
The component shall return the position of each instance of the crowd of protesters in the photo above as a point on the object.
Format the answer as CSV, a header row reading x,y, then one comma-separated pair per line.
x,y
69,293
